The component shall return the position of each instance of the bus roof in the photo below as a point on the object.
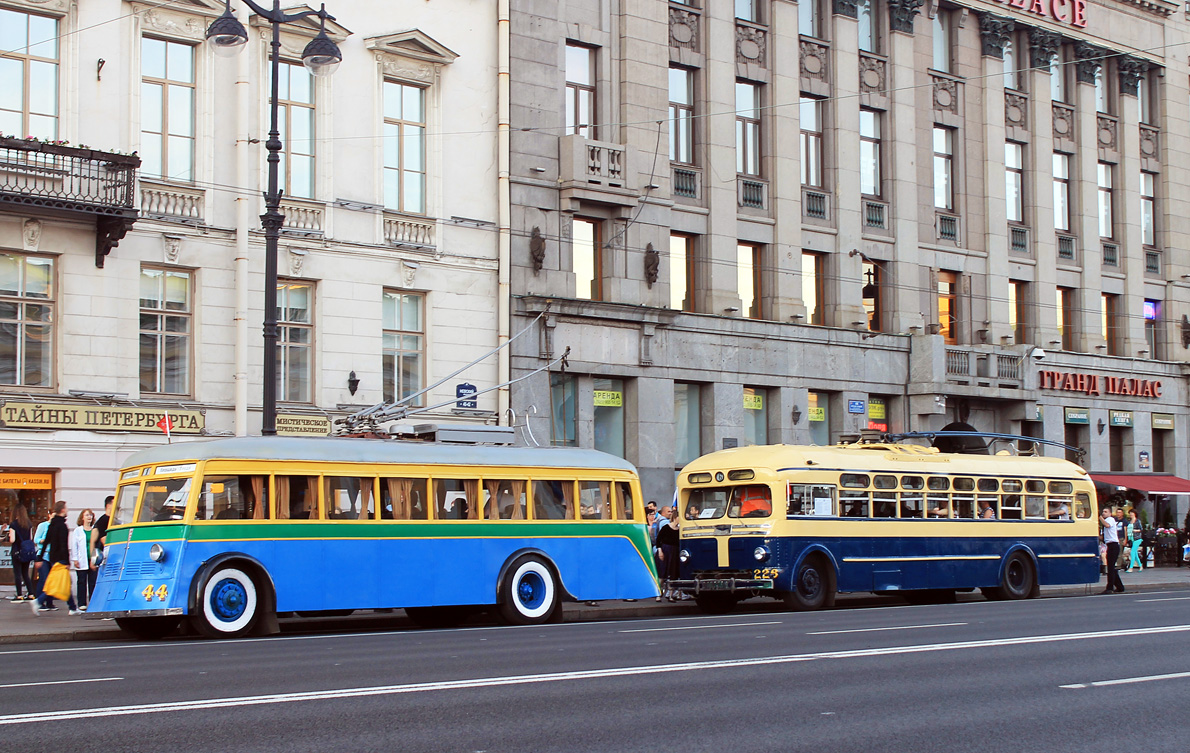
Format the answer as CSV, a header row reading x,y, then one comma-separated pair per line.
x,y
359,450
876,457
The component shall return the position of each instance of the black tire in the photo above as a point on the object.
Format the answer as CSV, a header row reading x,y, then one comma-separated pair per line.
x,y
715,602
149,628
1019,579
228,604
931,596
436,617
529,593
813,586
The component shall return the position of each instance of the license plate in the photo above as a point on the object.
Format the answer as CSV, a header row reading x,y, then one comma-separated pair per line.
x,y
718,584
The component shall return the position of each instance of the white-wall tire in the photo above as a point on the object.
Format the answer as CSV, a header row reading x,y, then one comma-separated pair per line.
x,y
228,604
529,594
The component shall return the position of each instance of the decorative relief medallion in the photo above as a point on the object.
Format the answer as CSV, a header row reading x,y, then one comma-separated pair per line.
x,y
946,94
1107,132
683,29
173,247
814,58
1063,122
872,72
297,258
173,24
31,234
1149,143
750,45
1016,109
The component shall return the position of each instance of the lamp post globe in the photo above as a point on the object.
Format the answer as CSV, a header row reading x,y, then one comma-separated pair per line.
x,y
321,56
226,34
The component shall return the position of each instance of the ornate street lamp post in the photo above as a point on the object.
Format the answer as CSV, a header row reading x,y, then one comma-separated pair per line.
x,y
321,57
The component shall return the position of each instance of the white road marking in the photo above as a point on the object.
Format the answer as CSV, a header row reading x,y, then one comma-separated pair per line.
x,y
877,630
490,682
59,682
1167,598
1127,680
699,627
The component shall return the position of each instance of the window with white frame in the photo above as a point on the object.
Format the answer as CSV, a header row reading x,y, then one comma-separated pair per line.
x,y
811,141
869,37
1148,204
681,115
1058,73
943,168
404,345
167,109
165,326
296,124
748,267
1103,102
404,147
748,10
26,320
1014,180
869,152
1012,67
941,36
681,272
1106,204
809,18
1061,191
747,128
1144,99
587,258
295,323
580,91
28,75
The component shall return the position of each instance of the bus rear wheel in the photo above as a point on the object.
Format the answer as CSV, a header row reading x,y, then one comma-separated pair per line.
x,y
813,586
148,628
528,593
228,604
1019,577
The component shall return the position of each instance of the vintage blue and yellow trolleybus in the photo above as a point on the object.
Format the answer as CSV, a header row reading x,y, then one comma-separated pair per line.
x,y
228,533
804,523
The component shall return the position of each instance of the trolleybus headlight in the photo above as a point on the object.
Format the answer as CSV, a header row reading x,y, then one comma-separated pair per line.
x,y
683,555
157,553
761,553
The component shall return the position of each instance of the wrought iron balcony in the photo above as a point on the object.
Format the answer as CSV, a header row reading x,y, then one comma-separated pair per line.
x,y
74,180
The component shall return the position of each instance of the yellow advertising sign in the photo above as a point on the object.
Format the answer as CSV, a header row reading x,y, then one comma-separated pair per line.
x,y
753,402
295,425
26,481
876,409
1162,420
609,399
98,418
817,414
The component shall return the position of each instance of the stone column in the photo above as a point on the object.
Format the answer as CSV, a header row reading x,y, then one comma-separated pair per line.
x,y
1039,176
841,151
784,293
1127,207
1084,195
994,31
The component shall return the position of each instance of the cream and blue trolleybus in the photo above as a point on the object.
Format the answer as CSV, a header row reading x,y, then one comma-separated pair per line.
x,y
802,523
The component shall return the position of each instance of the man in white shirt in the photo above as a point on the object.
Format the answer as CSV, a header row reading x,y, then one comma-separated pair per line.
x,y
1112,539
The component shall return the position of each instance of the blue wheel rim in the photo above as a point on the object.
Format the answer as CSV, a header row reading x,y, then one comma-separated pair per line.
x,y
229,600
530,590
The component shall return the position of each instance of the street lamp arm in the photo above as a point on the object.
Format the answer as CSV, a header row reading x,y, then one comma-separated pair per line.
x,y
276,16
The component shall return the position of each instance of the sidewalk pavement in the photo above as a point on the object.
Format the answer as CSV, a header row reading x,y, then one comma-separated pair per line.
x,y
18,624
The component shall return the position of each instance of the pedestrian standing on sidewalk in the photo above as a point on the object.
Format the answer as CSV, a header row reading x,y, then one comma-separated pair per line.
x,y
57,552
81,550
20,535
1112,539
38,568
1134,538
667,540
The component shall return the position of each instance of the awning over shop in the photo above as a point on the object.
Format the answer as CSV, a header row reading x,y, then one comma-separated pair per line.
x,y
1154,483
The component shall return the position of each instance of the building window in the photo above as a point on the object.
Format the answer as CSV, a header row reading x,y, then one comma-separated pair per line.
x,y
167,109
563,410
1018,312
687,423
748,10
1144,100
811,148
681,272
1014,180
1102,88
165,314
404,147
295,304
1012,73
28,75
296,124
818,410
1148,201
404,345
1066,322
1061,191
942,35
748,266
580,91
747,128
681,115
872,295
756,416
948,295
609,416
870,178
809,19
812,280
1152,314
1058,73
1105,200
1111,323
868,37
26,319
943,167
587,262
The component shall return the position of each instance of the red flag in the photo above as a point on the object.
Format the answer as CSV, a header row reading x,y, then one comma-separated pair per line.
x,y
166,424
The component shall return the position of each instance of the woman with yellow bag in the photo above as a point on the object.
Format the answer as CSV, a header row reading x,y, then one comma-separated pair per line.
x,y
57,557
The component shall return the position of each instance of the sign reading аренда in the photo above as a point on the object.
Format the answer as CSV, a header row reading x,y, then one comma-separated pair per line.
x,y
97,418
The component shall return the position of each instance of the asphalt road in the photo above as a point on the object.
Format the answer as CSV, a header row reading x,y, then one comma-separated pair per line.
x,y
1058,674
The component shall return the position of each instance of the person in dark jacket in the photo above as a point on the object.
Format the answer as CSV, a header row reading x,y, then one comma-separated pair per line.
x,y
667,540
57,551
21,537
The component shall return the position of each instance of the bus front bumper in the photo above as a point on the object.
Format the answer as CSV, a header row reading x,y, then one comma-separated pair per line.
x,y
170,612
700,585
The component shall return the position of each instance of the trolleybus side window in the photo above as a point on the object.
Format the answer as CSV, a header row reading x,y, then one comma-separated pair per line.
x,y
1035,506
1082,505
297,497
963,498
348,497
225,497
884,503
456,499
553,500
504,498
165,499
125,505
1010,503
593,502
625,509
853,504
403,499
1059,508
811,499
751,501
